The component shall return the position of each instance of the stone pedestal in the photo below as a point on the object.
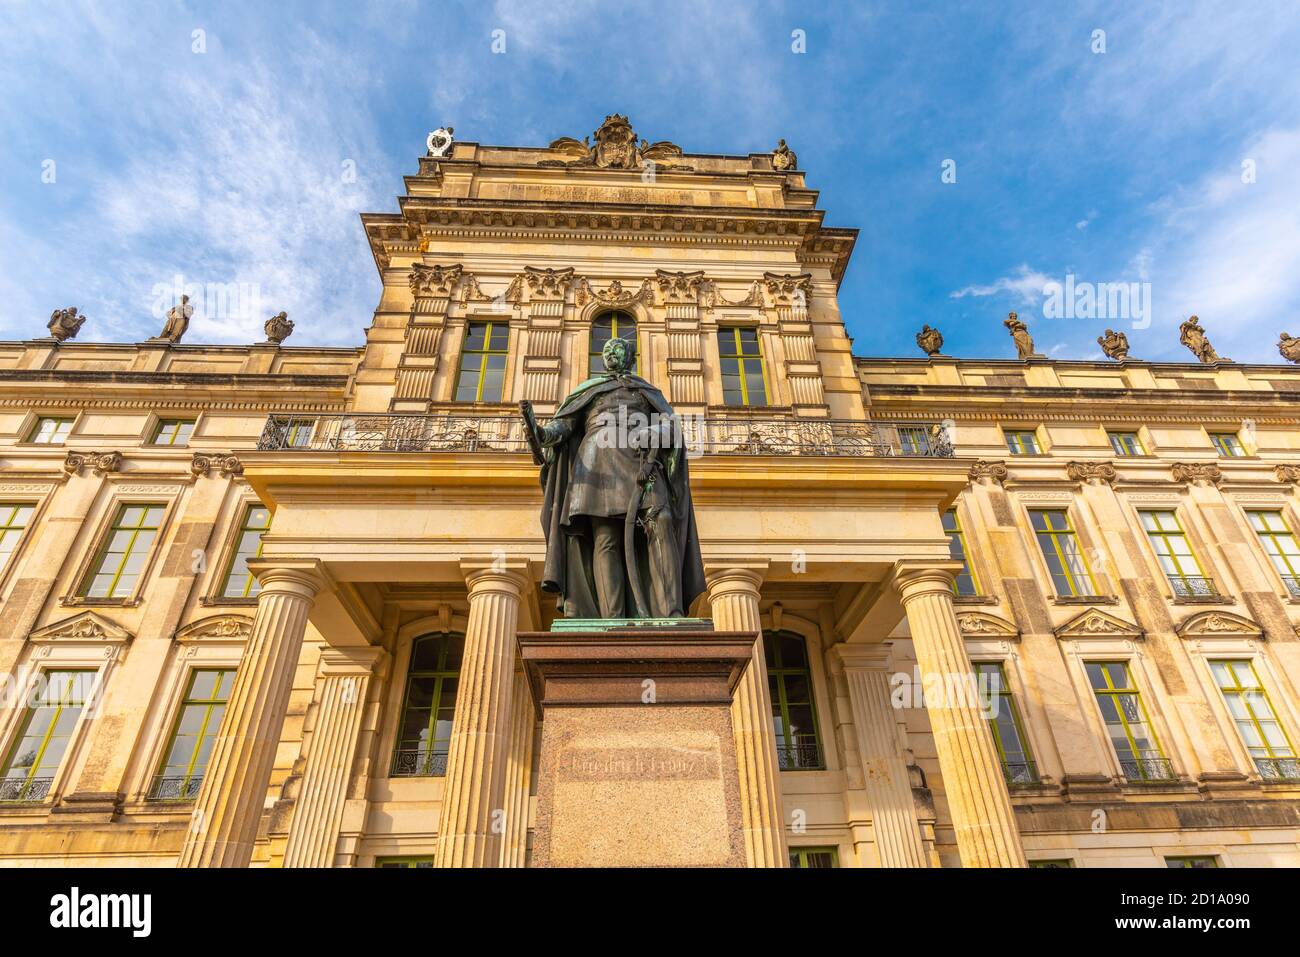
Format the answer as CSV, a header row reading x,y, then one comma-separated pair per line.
x,y
638,758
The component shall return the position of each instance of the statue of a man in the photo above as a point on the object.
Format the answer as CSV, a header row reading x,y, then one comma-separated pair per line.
x,y
784,158
616,506
1193,336
178,320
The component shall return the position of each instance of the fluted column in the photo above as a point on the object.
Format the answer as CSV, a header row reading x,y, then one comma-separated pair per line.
x,y
519,766
223,826
972,773
884,772
473,812
342,688
733,599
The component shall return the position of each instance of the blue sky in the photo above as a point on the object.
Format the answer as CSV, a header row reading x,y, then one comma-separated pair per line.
x,y
228,165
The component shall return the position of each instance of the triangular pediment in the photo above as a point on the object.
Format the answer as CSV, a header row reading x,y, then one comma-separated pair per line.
x,y
1216,624
217,628
88,626
979,624
1095,623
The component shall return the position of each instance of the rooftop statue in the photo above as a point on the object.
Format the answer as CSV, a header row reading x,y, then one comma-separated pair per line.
x,y
784,158
616,502
1020,333
616,147
178,320
65,323
1289,347
278,328
1193,336
439,142
1114,345
930,340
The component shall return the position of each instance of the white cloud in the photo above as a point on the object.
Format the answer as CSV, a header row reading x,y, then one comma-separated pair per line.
x,y
1024,285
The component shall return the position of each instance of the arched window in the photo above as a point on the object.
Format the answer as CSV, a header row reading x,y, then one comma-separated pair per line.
x,y
424,736
605,327
789,679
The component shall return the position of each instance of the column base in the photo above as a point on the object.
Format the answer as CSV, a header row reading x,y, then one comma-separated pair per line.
x,y
638,760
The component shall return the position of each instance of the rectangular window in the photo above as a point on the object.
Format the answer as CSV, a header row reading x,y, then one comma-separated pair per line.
x,y
1139,754
789,679
121,557
965,581
173,432
298,433
239,581
805,857
1126,443
1004,721
1060,545
51,718
915,440
50,430
1174,862
1228,445
744,380
1175,555
404,862
1256,722
482,374
1021,441
192,737
429,712
1280,546
1059,862
13,522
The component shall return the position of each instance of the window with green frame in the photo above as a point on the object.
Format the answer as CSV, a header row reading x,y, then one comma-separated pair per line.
x,y
744,377
50,430
1279,544
789,679
46,731
239,581
1126,443
1139,753
298,433
1004,721
1021,441
807,857
1252,712
1201,861
403,862
186,758
1174,554
173,432
1060,546
606,326
965,582
1056,862
14,517
121,557
482,375
424,736
1228,444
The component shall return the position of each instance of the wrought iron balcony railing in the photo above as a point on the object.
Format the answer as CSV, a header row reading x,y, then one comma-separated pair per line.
x,y
805,756
1020,774
707,435
1143,768
1292,585
1278,769
180,788
419,763
25,790
1193,586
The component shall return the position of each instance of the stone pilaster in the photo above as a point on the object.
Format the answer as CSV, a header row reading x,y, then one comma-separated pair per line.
x,y
884,772
223,826
473,812
978,801
733,599
342,687
519,767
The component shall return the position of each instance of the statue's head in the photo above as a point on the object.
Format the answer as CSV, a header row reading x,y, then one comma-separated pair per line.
x,y
618,355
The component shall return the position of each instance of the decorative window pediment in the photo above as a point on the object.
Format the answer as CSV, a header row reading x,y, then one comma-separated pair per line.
x,y
978,624
1218,624
1095,623
88,626
217,628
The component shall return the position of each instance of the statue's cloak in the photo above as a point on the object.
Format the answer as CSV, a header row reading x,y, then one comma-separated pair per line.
x,y
565,571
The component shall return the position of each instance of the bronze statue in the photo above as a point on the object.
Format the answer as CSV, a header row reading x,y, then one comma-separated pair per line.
x,y
930,340
1114,345
178,320
1193,336
616,503
784,158
1020,333
1289,347
65,323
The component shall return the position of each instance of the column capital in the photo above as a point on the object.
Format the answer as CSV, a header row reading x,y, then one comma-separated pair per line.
x,y
488,574
913,578
304,577
729,577
859,656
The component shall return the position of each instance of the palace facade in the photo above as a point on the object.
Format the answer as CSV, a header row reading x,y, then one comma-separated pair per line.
x,y
260,602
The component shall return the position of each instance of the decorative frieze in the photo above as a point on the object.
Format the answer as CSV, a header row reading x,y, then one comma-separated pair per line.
x,y
1197,473
1093,473
88,626
217,628
1095,623
1216,624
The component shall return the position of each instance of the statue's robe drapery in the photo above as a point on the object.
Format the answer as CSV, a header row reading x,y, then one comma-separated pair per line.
x,y
567,571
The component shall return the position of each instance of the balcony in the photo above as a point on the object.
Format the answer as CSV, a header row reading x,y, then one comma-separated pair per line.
x,y
711,435
418,763
1194,588
180,788
801,756
1145,768
1292,585
1278,769
25,790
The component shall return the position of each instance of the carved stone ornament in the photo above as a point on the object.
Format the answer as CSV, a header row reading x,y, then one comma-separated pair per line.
x,y
88,626
1095,623
784,158
1193,337
680,287
278,328
1288,346
614,294
547,284
786,288
439,142
1020,335
434,281
981,625
930,340
1287,473
1198,473
101,462
65,323
228,465
74,462
1114,345
1094,473
1212,624
988,472
178,320
217,628
616,147
470,291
